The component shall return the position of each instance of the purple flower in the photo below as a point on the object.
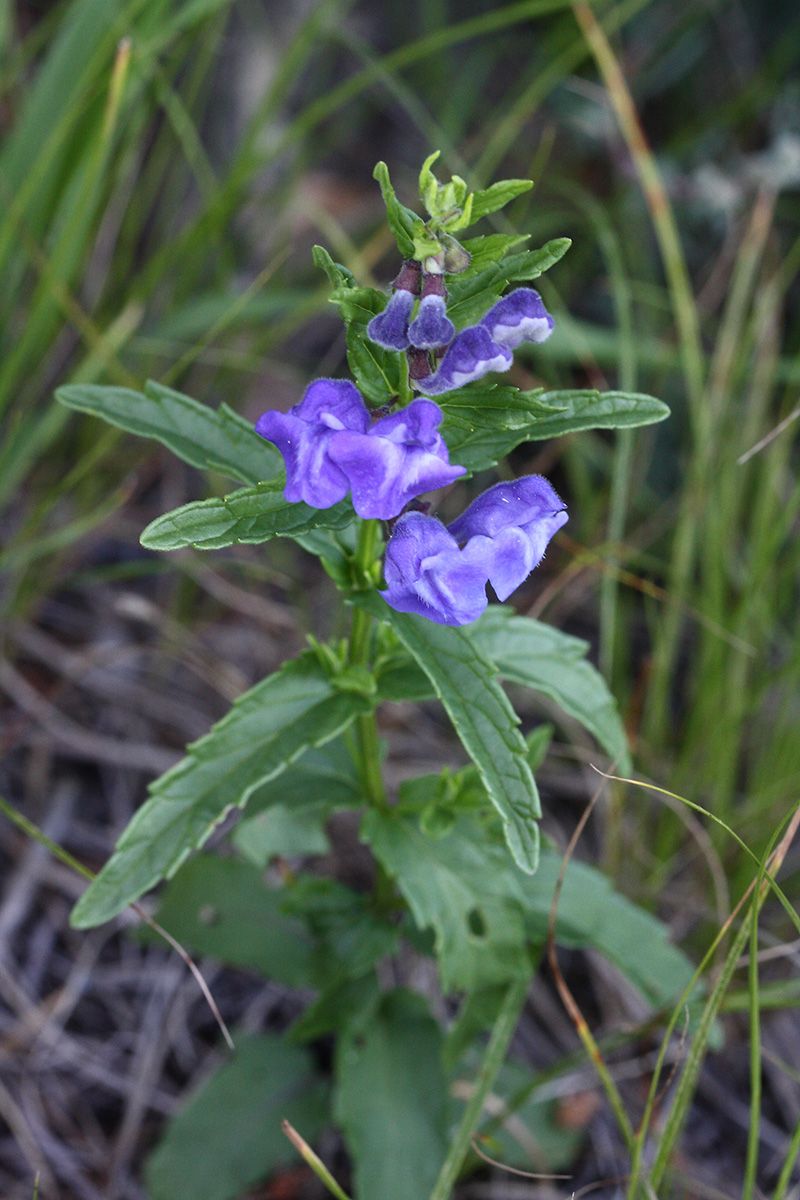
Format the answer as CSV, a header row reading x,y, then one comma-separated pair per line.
x,y
471,355
518,317
390,328
426,572
304,435
517,520
400,457
330,448
432,328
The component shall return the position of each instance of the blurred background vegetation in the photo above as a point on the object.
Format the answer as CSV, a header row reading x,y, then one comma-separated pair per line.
x,y
165,168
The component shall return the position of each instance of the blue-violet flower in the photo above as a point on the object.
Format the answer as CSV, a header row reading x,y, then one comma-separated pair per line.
x,y
330,447
426,572
432,328
401,456
512,524
389,328
518,317
471,355
304,434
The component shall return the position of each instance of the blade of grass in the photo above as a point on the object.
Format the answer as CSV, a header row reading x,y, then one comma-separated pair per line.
x,y
499,1041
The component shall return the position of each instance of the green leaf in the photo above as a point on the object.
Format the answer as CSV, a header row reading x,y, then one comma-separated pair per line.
x,y
530,264
222,907
549,661
338,275
478,1012
375,369
250,515
391,1100
448,879
596,410
344,1006
487,251
218,440
283,831
471,295
592,915
351,936
228,1136
322,777
484,421
459,887
359,304
288,815
535,1137
267,729
498,196
465,682
403,223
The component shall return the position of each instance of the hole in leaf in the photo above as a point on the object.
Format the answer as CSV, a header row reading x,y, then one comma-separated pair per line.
x,y
476,923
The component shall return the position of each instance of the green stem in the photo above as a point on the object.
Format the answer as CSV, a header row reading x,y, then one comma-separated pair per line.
x,y
493,1060
358,655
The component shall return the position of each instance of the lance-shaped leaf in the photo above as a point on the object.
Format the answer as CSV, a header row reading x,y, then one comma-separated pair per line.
x,y
498,196
596,410
214,439
266,730
251,515
375,369
338,275
472,294
466,683
549,661
485,421
401,220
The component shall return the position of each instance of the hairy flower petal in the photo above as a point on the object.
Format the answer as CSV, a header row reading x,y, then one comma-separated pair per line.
x,y
519,317
390,328
426,572
402,456
304,436
471,355
518,519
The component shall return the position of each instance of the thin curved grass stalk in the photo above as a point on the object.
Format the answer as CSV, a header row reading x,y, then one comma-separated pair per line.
x,y
621,296
751,1161
578,1020
499,1040
314,1161
759,889
790,1162
713,1004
